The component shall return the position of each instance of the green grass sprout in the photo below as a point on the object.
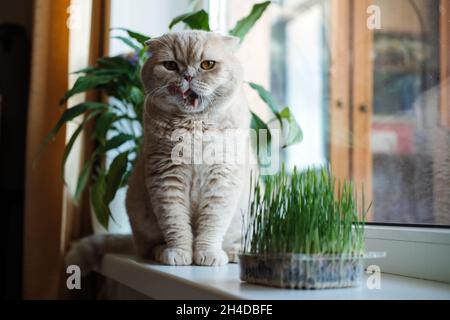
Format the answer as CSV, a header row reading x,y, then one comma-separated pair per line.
x,y
304,212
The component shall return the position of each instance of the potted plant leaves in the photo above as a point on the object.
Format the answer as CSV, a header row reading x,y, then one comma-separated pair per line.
x,y
303,230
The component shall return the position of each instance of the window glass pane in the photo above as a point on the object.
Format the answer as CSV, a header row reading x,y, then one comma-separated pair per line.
x,y
149,17
407,140
299,76
407,149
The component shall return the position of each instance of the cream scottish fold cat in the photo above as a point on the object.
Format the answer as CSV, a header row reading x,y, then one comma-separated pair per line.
x,y
184,212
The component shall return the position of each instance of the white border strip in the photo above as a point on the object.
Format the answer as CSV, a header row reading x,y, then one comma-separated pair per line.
x,y
414,252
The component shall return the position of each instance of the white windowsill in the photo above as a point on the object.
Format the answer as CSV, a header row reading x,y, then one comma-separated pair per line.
x,y
193,282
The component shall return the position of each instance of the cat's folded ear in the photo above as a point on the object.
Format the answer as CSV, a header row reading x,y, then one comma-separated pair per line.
x,y
231,42
152,44
150,41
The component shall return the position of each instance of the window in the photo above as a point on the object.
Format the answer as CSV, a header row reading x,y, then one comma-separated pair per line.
x,y
371,101
149,17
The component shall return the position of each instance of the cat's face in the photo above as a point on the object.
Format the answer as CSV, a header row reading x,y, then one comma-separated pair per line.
x,y
191,71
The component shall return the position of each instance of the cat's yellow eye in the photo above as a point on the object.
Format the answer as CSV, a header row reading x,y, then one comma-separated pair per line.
x,y
207,64
170,65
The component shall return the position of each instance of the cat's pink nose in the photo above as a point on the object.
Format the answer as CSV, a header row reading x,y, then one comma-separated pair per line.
x,y
188,78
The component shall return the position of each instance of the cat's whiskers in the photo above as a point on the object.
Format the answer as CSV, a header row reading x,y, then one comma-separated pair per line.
x,y
209,100
215,96
155,92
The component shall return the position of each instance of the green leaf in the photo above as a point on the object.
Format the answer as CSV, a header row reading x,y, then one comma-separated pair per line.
x,y
116,142
87,83
83,179
244,25
68,148
136,96
142,39
117,64
265,96
198,20
102,125
84,70
126,176
100,71
109,65
295,134
115,175
98,192
71,114
72,140
257,124
129,43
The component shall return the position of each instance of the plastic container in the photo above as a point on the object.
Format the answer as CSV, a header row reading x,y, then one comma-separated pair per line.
x,y
301,271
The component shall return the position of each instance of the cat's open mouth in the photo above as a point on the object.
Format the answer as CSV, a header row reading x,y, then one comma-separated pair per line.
x,y
190,98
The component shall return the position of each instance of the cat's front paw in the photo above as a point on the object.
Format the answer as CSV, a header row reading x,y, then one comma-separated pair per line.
x,y
173,256
233,253
210,257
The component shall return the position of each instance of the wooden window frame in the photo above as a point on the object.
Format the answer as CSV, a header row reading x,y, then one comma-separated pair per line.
x,y
351,94
410,251
339,111
444,26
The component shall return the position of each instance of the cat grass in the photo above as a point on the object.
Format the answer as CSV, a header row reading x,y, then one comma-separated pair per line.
x,y
304,212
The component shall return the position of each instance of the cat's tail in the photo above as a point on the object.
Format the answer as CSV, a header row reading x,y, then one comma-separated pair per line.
x,y
88,252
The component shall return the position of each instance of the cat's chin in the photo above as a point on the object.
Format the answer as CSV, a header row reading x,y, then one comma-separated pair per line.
x,y
191,108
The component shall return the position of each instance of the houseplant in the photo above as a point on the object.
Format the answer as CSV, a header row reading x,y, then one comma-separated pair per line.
x,y
303,230
118,121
